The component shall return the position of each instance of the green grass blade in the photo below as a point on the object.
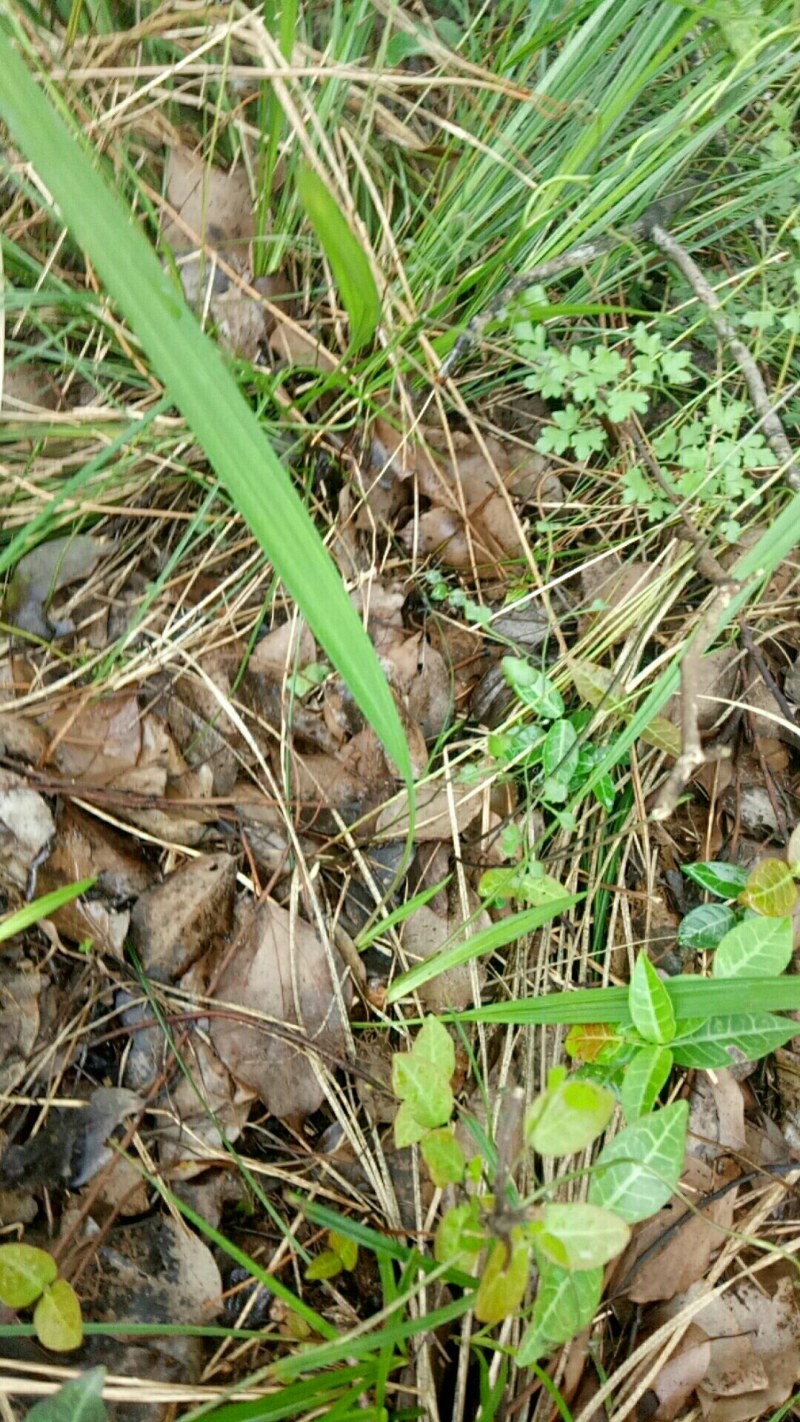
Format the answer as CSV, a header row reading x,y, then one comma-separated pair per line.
x,y
204,390
497,935
349,262
691,997
40,908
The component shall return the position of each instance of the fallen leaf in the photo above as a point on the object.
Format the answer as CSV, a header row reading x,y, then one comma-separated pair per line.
x,y
281,973
97,742
20,993
424,934
26,829
47,570
188,915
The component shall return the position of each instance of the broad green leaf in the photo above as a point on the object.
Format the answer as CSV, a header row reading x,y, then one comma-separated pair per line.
x,y
533,687
649,1003
348,260
57,1318
24,1273
770,889
724,880
504,1279
506,930
636,1173
203,388
325,1266
407,1129
757,948
78,1401
459,1233
567,1117
566,1302
433,1044
726,1041
579,1236
443,1157
593,1042
645,1075
560,751
703,927
426,1094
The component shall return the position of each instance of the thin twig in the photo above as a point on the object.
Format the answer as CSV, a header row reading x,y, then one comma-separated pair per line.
x,y
770,422
659,212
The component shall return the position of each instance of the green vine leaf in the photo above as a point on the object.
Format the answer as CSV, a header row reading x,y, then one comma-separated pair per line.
x,y
565,1303
757,948
568,1116
636,1173
504,1279
649,1003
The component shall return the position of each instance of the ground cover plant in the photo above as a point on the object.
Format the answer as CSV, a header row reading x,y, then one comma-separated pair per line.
x,y
398,720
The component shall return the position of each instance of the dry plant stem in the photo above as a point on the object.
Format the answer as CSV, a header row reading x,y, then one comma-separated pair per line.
x,y
770,423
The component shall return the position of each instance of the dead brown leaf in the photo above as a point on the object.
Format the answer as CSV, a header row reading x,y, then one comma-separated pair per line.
x,y
186,917
280,972
424,934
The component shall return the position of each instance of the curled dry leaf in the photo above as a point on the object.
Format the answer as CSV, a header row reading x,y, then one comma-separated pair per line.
x,y
281,973
189,915
283,648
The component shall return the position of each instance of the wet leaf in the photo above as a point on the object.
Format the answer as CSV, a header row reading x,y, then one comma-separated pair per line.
x,y
579,1236
428,1095
57,1318
566,1302
533,687
703,927
80,1400
594,1042
434,1044
568,1117
443,1157
645,1076
459,1233
718,877
722,1041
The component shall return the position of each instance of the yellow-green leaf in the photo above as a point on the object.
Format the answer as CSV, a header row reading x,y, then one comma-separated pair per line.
x,y
662,734
770,889
57,1318
504,1279
24,1272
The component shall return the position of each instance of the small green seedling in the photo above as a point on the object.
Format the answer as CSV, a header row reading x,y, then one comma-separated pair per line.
x,y
499,1237
341,1255
29,1278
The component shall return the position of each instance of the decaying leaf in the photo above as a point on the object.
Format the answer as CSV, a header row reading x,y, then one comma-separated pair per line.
x,y
26,828
191,913
71,1147
280,974
47,570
